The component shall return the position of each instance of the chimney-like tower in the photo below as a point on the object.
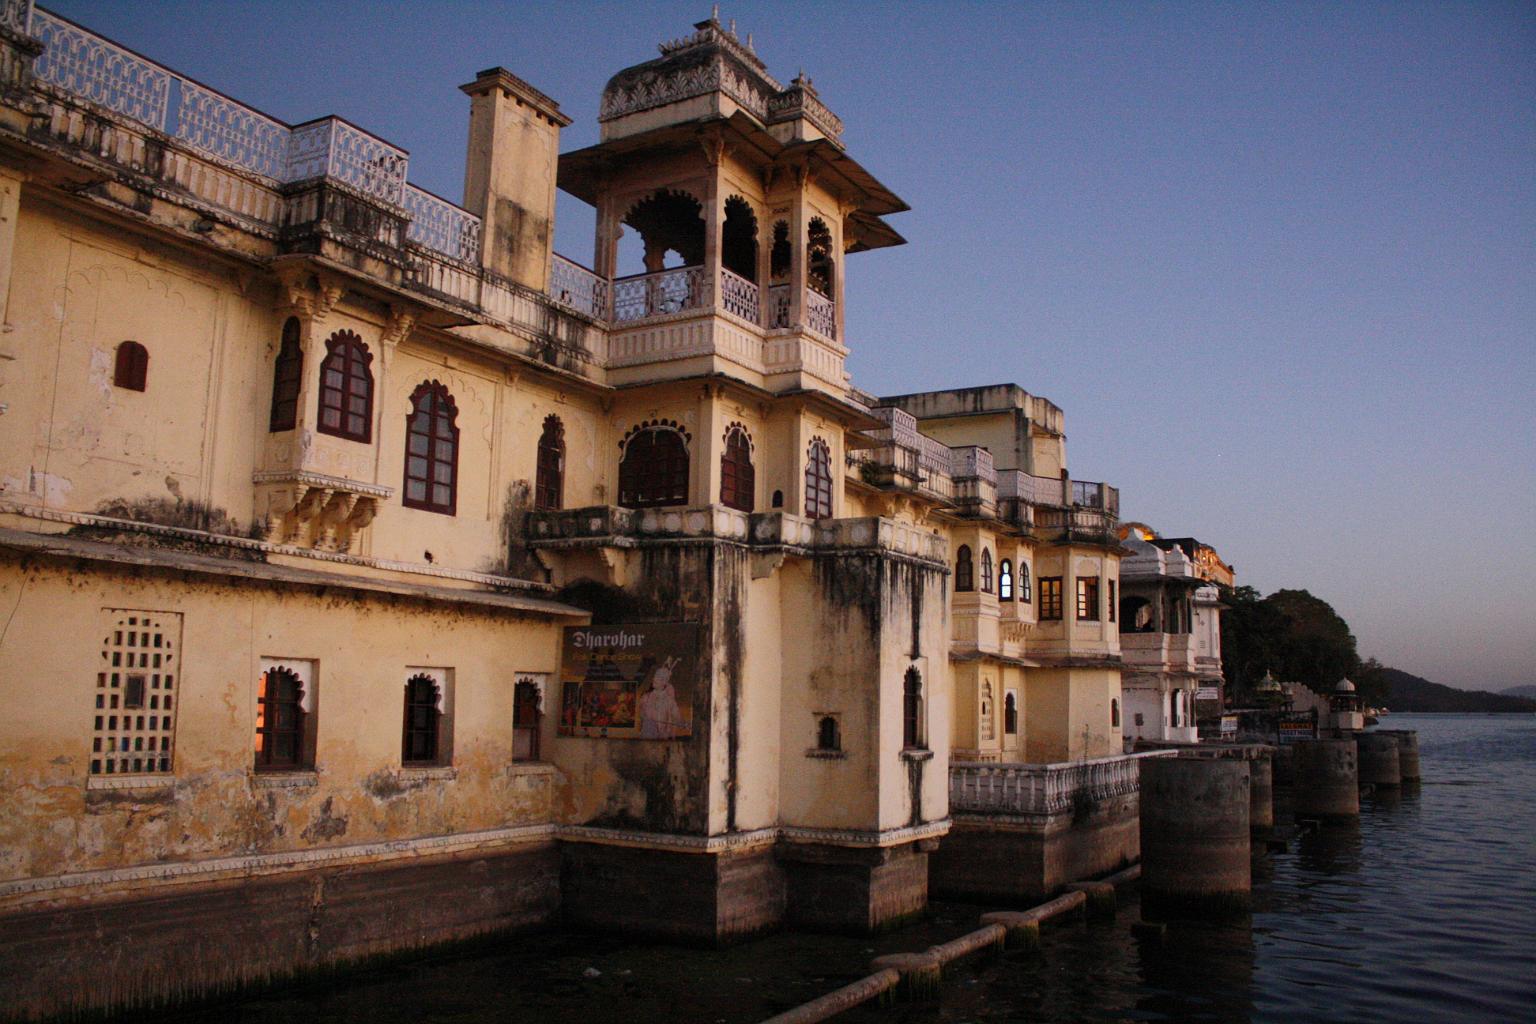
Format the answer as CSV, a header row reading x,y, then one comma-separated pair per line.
x,y
509,173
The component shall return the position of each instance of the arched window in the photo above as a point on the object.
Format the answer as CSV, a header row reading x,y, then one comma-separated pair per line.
x,y
1011,713
526,715
738,239
287,372
964,573
738,480
818,481
346,388
778,255
1005,580
654,469
778,499
423,713
818,253
986,570
549,474
828,736
432,450
912,710
1024,589
130,370
280,721
1114,713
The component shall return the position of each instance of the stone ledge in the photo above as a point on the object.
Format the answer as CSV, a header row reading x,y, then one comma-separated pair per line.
x,y
166,781
284,780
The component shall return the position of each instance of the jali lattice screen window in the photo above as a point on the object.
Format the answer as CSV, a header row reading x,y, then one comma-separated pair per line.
x,y
136,693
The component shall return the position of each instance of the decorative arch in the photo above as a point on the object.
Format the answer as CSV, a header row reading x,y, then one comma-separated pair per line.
x,y
432,450
669,220
1114,713
549,471
965,579
820,269
738,239
1005,580
818,480
1010,713
986,570
346,388
1025,593
287,374
653,471
738,478
423,715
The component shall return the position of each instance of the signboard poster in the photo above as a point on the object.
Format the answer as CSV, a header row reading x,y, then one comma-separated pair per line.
x,y
1297,725
629,682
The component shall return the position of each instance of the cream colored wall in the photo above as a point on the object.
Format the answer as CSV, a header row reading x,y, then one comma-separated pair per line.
x,y
1001,433
75,439
1069,714
51,823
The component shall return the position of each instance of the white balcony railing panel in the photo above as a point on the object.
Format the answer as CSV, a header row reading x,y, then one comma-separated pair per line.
x,y
820,313
739,296
441,226
86,65
658,294
578,288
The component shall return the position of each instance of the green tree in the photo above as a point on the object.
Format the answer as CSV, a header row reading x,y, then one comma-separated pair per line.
x,y
1294,636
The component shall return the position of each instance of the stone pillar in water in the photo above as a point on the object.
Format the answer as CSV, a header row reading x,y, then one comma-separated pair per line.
x,y
1378,759
1194,837
1261,792
1407,752
1327,779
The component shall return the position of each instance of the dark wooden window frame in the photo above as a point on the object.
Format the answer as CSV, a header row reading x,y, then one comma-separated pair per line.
x,y
1050,598
654,469
346,389
549,472
965,579
287,375
912,737
738,478
130,366
280,722
986,570
1025,593
438,437
1010,713
421,725
1005,580
1113,599
829,736
527,717
818,480
1088,599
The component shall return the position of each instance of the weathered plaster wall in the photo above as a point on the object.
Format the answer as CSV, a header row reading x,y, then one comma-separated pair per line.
x,y
52,823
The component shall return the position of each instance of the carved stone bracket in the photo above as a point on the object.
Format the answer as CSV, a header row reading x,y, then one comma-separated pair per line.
x,y
316,511
309,296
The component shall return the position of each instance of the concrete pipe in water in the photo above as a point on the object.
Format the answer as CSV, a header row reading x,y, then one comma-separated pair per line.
x,y
1327,779
1378,760
1194,837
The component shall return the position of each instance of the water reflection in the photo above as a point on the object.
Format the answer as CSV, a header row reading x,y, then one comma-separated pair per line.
x,y
1331,848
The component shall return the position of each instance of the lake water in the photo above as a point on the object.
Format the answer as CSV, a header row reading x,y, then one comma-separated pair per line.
x,y
1426,912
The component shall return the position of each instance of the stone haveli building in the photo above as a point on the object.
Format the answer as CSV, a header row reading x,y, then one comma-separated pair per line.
x,y
374,576
1170,629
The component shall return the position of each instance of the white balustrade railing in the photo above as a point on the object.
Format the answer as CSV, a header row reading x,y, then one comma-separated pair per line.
x,y
574,286
972,460
992,788
820,313
1038,490
666,291
81,64
441,226
739,296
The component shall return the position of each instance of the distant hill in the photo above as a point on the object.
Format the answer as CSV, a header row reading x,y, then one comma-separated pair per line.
x,y
1411,693
1520,691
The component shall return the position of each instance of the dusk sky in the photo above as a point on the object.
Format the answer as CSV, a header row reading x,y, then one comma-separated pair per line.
x,y
1276,262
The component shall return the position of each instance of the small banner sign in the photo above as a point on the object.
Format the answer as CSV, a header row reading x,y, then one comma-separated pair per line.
x,y
1296,725
1207,693
629,682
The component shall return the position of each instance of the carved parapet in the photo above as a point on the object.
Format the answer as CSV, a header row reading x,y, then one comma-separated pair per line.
x,y
310,510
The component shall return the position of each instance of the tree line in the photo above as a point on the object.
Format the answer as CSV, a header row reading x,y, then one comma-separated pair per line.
x,y
1295,637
